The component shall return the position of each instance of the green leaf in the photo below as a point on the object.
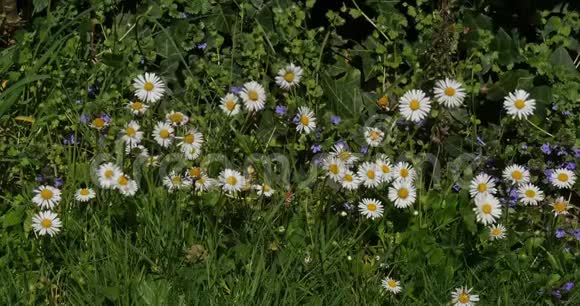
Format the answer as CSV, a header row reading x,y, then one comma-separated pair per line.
x,y
561,58
13,217
506,48
509,81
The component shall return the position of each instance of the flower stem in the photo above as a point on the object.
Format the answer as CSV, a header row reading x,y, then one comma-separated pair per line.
x,y
539,128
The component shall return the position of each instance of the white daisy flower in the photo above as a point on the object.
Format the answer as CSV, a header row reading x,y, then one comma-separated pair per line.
x,y
138,150
369,175
487,209
99,123
254,96
341,151
306,122
517,104
192,138
131,134
402,193
152,161
414,105
126,186
289,76
46,222
530,194
175,181
350,181
371,208
149,87
46,197
404,171
335,168
463,297
562,178
137,107
482,184
177,118
190,152
204,183
85,194
265,190
496,232
560,206
449,92
391,285
163,134
108,174
374,136
231,180
229,104
194,172
386,168
516,174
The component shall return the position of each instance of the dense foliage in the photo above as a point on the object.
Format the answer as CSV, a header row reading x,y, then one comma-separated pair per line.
x,y
75,62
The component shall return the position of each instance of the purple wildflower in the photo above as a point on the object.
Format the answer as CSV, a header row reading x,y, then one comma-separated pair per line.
x,y
69,140
235,89
315,148
202,46
557,294
576,152
566,113
512,197
562,152
39,179
554,107
456,188
560,233
106,118
281,110
335,120
364,149
570,166
576,234
548,173
568,286
343,144
546,149
317,135
348,206
296,119
84,118
524,147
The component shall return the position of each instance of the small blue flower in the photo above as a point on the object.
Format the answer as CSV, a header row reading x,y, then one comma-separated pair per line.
x,y
364,149
570,166
335,120
317,135
57,182
315,148
576,152
566,113
546,149
554,107
568,286
281,110
235,89
548,173
202,46
576,234
560,233
524,147
562,152
106,118
296,119
557,294
84,119
69,140
39,179
456,188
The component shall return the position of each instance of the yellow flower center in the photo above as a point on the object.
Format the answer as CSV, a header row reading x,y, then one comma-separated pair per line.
x,y
136,106
123,180
563,177
231,180
496,231
189,138
383,102
333,168
130,131
230,105
176,180
304,120
486,208
148,86
519,103
195,172
289,76
371,174
99,123
374,135
404,172
253,95
46,223
392,283
46,194
482,187
414,104
403,193
560,206
344,155
449,91
266,188
385,168
176,117
84,192
517,175
164,134
109,173
463,298
348,177
530,193
371,207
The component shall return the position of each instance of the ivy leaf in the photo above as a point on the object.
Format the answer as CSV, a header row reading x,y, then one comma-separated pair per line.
x,y
506,48
561,58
